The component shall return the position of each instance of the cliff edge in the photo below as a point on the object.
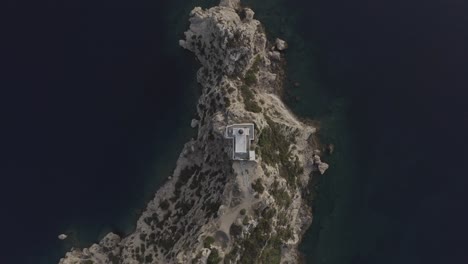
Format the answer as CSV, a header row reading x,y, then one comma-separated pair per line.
x,y
213,208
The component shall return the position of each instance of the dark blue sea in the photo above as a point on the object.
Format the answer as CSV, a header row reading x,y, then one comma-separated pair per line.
x,y
97,97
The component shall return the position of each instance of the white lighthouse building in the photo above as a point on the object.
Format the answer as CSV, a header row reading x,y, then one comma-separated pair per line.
x,y
241,135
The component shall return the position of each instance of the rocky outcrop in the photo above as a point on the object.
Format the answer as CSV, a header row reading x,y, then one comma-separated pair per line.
x,y
194,123
281,44
213,208
321,166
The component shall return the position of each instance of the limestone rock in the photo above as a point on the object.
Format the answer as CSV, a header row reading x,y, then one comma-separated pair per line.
x,y
249,14
270,77
110,240
281,44
62,237
321,166
182,43
194,123
275,55
221,29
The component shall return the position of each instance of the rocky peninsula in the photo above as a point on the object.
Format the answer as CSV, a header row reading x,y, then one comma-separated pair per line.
x,y
213,209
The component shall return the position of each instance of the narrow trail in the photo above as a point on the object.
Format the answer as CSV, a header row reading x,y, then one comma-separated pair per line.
x,y
244,180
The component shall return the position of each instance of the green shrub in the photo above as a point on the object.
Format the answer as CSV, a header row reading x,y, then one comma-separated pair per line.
x,y
250,78
272,252
149,258
256,63
242,211
235,230
284,234
249,100
274,150
258,186
213,258
254,243
281,196
251,74
227,102
184,176
268,213
197,258
114,259
164,205
209,240
230,257
282,219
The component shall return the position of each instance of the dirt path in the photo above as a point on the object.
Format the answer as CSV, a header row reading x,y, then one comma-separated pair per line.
x,y
244,179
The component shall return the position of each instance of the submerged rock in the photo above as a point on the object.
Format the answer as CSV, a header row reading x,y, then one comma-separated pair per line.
x,y
331,148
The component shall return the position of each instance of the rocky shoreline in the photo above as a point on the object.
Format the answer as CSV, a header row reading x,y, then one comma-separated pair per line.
x,y
212,208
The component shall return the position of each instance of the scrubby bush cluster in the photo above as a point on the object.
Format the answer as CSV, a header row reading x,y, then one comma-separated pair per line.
x,y
250,79
258,186
274,148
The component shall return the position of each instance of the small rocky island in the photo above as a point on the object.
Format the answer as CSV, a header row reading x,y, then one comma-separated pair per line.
x,y
214,209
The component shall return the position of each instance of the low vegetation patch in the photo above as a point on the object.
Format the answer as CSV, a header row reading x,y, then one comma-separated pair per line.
x,y
209,240
274,148
235,230
249,100
250,79
213,258
230,257
164,205
251,74
258,186
272,252
281,196
254,243
227,102
184,176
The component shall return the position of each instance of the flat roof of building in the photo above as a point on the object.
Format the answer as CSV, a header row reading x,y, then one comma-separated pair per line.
x,y
241,141
241,134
